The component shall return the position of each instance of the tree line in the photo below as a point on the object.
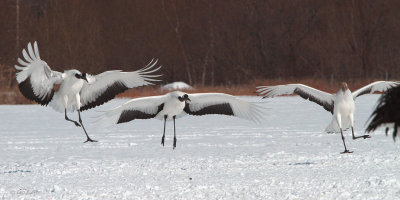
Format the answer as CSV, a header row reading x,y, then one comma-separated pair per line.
x,y
208,42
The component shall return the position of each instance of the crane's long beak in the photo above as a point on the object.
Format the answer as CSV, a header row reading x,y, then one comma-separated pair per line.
x,y
84,77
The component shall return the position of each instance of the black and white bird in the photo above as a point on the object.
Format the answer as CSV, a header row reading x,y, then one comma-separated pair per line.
x,y
77,91
341,104
387,112
177,104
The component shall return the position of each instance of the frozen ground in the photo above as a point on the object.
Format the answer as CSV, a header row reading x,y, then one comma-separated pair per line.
x,y
287,157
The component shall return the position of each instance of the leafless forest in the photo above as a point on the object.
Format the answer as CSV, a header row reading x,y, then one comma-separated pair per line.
x,y
209,43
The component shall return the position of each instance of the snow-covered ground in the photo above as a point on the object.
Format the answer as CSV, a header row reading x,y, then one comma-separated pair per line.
x,y
217,157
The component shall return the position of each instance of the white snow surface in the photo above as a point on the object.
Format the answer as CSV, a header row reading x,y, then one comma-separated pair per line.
x,y
177,86
217,157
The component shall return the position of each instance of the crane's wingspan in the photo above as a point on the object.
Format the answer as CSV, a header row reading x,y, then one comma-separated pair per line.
x,y
223,104
35,79
140,108
317,96
387,111
377,86
103,87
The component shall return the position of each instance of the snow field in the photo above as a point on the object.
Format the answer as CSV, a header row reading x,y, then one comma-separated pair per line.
x,y
42,156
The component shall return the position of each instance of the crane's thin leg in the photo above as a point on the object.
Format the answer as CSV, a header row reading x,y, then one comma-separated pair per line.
x,y
163,136
358,137
174,133
344,143
88,139
66,118
396,125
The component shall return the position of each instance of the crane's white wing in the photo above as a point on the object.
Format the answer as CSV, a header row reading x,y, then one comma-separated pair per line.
x,y
377,86
139,108
223,104
317,96
35,79
103,87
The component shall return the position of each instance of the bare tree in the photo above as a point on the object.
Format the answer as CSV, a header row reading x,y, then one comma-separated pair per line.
x,y
176,26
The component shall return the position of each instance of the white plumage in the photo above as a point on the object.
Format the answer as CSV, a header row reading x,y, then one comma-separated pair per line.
x,y
341,104
177,104
176,86
78,91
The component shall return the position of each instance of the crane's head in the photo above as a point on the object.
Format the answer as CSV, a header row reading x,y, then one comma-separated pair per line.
x,y
184,97
81,76
344,86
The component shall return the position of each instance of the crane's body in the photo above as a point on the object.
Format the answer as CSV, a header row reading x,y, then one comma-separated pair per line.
x,y
77,91
177,104
341,104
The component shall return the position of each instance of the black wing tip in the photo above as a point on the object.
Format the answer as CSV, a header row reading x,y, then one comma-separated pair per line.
x,y
222,109
326,105
95,104
107,95
386,111
25,87
129,115
92,105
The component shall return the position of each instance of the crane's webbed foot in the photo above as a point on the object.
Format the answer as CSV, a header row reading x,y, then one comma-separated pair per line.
x,y
162,140
363,136
174,143
366,136
89,140
346,151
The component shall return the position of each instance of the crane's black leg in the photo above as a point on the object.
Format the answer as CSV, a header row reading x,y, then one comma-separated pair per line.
x,y
344,143
396,125
174,133
88,138
66,118
358,137
163,136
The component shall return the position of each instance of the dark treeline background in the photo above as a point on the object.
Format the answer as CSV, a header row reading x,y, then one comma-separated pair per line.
x,y
209,42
